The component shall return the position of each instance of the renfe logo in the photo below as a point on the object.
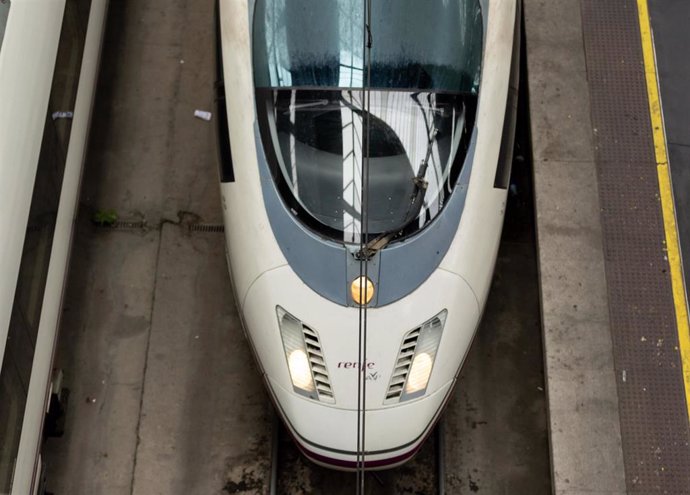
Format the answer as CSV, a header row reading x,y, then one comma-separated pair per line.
x,y
355,365
367,368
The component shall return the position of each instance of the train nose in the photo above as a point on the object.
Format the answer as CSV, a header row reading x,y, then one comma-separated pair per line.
x,y
391,435
308,350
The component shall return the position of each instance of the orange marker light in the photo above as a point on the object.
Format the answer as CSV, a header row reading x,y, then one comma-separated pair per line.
x,y
362,288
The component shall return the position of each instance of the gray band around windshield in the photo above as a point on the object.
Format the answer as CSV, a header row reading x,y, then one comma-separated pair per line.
x,y
328,267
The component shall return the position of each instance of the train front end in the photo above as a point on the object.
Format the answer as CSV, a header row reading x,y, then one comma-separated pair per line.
x,y
362,213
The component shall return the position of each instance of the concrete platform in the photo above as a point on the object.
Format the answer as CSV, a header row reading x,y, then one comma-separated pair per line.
x,y
617,416
586,451
205,419
104,337
165,397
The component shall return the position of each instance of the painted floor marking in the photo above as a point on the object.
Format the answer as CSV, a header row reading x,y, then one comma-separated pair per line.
x,y
666,194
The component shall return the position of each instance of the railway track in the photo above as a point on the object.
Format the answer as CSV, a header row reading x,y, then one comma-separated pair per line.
x,y
293,474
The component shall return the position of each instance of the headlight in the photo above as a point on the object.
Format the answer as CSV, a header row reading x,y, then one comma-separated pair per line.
x,y
362,290
416,360
300,370
419,374
305,361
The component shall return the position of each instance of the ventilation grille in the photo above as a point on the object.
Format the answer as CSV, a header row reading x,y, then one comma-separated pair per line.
x,y
318,365
206,227
402,366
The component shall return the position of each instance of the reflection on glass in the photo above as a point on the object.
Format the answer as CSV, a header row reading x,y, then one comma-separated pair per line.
x,y
310,66
415,44
319,135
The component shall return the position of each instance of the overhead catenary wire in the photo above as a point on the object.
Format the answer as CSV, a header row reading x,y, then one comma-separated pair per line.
x,y
364,263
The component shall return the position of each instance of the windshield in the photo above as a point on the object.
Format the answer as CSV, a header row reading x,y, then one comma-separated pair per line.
x,y
309,72
431,44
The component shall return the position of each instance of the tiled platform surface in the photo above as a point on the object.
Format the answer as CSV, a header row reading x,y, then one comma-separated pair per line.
x,y
618,421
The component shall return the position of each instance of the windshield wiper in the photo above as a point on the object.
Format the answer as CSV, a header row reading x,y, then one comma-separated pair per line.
x,y
301,106
414,208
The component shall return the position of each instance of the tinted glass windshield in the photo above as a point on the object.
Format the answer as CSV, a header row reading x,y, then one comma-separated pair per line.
x,y
416,44
309,68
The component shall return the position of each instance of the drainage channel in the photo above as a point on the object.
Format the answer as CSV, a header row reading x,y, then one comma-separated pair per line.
x,y
142,224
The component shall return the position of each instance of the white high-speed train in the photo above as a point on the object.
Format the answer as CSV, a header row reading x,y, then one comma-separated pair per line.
x,y
418,101
49,52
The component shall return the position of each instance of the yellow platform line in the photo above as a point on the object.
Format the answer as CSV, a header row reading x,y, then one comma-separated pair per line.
x,y
666,195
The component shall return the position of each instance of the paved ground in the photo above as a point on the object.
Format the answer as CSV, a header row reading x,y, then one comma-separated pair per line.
x,y
204,415
584,429
165,398
105,330
149,157
603,269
